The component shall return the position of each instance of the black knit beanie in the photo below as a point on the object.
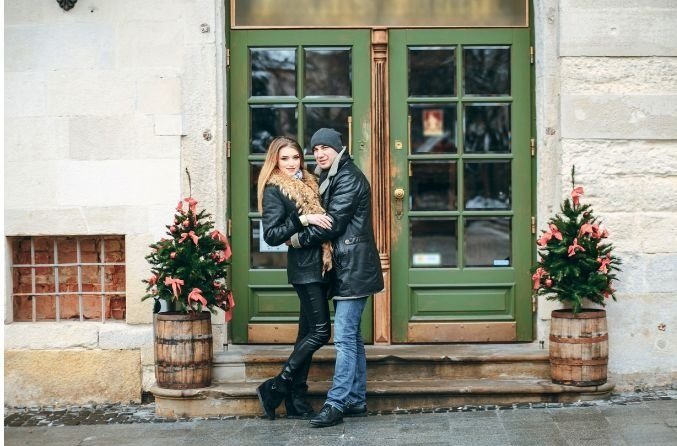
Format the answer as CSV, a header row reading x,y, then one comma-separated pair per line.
x,y
327,137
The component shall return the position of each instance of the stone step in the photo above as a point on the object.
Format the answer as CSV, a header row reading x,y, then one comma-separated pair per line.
x,y
406,362
241,399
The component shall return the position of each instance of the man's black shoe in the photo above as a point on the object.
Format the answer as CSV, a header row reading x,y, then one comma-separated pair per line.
x,y
355,411
328,416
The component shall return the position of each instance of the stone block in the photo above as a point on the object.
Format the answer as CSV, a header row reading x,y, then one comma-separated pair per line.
x,y
628,193
120,336
148,354
619,75
137,269
151,44
148,378
168,125
114,219
661,274
638,158
44,221
29,139
612,28
150,145
159,96
619,117
38,192
51,335
656,232
116,182
24,12
75,376
102,137
59,46
90,92
24,94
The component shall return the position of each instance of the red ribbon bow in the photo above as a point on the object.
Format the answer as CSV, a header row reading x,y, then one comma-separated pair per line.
x,y
175,284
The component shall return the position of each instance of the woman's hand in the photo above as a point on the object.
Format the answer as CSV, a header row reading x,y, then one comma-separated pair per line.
x,y
321,220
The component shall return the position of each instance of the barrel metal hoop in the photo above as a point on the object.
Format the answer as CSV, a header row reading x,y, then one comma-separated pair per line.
x,y
571,361
591,340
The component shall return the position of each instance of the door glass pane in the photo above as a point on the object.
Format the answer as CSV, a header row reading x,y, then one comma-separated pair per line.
x,y
432,186
335,117
269,121
254,171
487,185
262,255
486,70
433,242
273,71
433,128
328,72
487,128
487,241
432,71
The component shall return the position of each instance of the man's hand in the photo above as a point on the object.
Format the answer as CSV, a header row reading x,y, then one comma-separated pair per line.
x,y
288,243
321,220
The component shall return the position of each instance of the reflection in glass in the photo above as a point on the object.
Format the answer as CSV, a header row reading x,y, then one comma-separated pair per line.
x,y
487,128
254,171
273,71
335,117
433,128
269,121
327,72
261,260
487,70
487,241
487,185
433,186
432,71
433,242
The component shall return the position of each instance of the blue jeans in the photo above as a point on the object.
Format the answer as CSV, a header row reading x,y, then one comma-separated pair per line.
x,y
350,373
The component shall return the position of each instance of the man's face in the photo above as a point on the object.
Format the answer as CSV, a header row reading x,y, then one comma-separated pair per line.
x,y
324,155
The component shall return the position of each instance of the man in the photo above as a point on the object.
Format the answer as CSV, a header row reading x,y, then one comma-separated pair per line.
x,y
346,196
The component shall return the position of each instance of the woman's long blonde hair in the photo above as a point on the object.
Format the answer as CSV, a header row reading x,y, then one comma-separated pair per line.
x,y
270,164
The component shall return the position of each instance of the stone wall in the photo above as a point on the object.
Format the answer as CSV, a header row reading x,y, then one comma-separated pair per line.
x,y
607,102
106,105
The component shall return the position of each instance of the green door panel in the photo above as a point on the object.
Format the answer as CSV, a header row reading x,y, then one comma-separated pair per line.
x,y
284,95
460,150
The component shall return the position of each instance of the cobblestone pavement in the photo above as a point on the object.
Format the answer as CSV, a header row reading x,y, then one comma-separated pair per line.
x,y
647,418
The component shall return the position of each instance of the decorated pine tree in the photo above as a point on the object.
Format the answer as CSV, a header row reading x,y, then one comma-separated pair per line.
x,y
575,258
189,267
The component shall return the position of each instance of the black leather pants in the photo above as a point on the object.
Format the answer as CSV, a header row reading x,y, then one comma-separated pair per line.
x,y
314,332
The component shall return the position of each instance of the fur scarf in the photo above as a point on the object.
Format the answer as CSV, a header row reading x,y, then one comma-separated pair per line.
x,y
305,193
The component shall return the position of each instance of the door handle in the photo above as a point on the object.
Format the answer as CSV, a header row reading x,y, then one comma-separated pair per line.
x,y
399,202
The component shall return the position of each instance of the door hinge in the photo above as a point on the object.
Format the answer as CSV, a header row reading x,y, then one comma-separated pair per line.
x,y
228,149
532,145
229,229
534,303
532,54
533,225
228,57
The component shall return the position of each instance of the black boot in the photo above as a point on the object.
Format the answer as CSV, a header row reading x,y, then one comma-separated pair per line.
x,y
328,416
296,404
271,393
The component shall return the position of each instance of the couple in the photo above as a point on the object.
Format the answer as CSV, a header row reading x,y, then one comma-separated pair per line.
x,y
332,253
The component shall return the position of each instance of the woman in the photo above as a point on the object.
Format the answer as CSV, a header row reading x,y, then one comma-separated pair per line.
x,y
289,199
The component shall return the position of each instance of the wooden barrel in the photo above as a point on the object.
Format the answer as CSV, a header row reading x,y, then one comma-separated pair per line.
x,y
183,350
579,347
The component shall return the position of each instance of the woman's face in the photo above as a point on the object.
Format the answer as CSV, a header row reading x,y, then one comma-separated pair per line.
x,y
288,160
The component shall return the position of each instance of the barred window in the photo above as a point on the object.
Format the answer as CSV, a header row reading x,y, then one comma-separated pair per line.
x,y
68,278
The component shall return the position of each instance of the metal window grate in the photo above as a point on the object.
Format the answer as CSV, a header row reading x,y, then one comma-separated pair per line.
x,y
50,282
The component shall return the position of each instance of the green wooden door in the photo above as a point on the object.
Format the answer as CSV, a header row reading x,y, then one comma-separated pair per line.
x,y
460,128
286,83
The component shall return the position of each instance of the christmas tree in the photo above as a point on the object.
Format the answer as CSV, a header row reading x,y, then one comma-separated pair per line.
x,y
189,268
575,259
